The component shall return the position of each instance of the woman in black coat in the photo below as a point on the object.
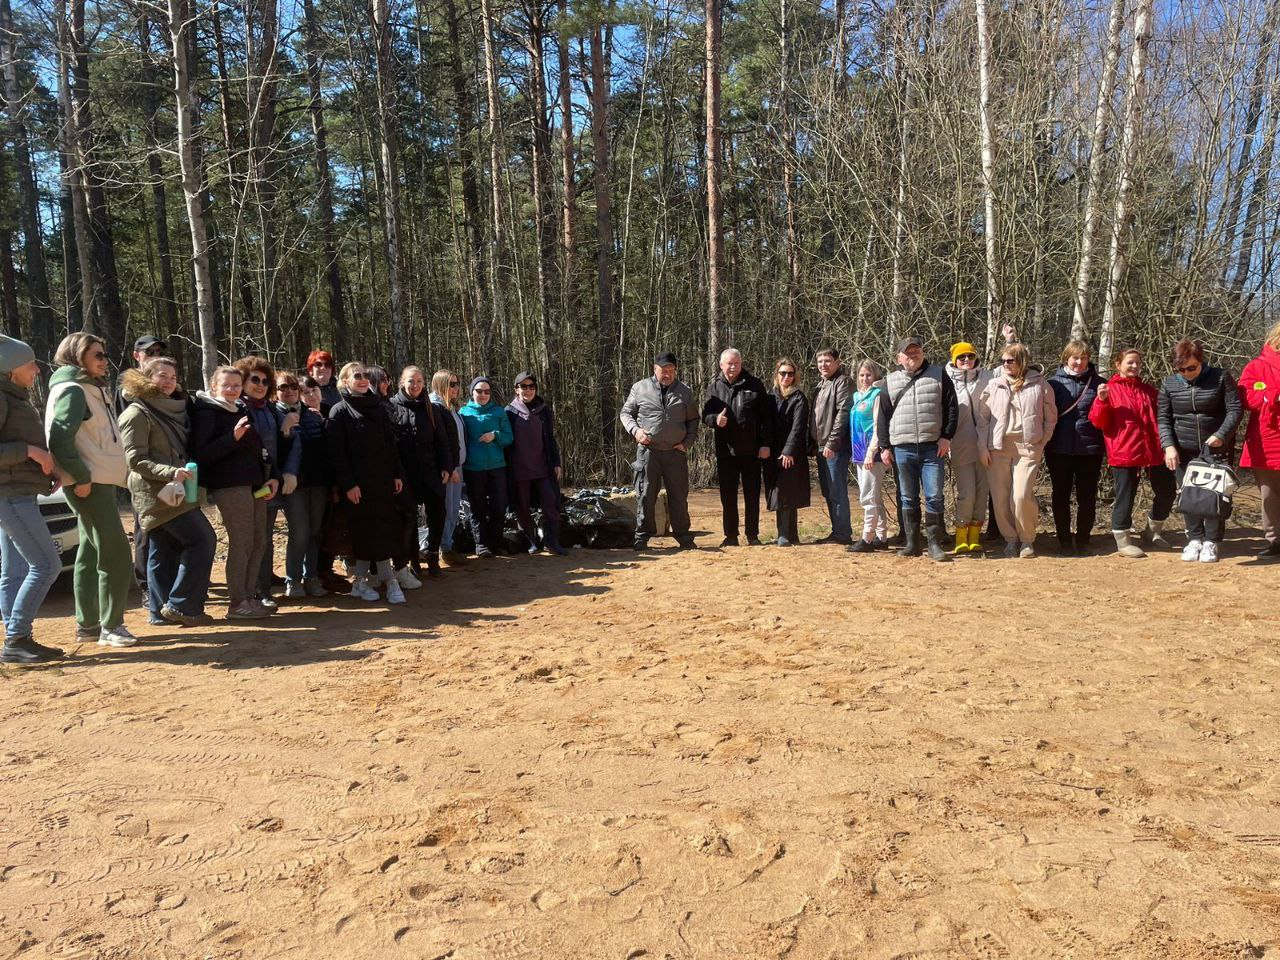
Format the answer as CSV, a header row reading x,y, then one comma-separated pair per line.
x,y
1199,406
534,463
366,466
787,475
435,458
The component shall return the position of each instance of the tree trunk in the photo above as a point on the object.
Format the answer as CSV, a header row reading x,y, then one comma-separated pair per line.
x,y
788,138
1258,90
72,168
905,79
1258,199
1092,204
42,315
543,216
106,282
499,274
606,334
1129,149
159,200
9,285
991,227
324,180
241,296
390,177
262,81
715,226
568,192
189,163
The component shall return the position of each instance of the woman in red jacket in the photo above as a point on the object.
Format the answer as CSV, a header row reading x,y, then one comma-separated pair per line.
x,y
1260,393
1125,412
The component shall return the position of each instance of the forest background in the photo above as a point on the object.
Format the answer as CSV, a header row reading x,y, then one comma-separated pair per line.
x,y
570,187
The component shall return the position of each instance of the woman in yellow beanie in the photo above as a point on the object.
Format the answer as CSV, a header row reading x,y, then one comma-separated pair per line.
x,y
968,448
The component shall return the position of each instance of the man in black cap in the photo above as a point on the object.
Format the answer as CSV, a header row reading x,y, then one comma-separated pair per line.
x,y
660,414
917,418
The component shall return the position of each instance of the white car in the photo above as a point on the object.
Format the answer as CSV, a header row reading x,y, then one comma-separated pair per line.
x,y
61,521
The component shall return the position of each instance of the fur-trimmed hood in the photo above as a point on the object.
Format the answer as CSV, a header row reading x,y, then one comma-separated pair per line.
x,y
134,385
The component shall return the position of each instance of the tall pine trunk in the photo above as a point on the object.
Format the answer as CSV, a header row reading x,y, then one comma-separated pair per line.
x,y
168,316
606,334
380,17
715,226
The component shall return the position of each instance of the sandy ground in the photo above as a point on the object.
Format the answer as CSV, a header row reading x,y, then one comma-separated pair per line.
x,y
739,753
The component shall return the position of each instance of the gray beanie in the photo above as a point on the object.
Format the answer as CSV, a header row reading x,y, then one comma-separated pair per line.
x,y
13,354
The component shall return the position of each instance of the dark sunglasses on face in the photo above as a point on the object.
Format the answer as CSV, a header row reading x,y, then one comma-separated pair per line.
x,y
359,376
528,386
1007,360
321,363
967,356
153,352
286,386
259,380
453,384
786,373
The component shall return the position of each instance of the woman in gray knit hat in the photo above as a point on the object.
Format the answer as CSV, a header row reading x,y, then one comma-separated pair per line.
x,y
27,551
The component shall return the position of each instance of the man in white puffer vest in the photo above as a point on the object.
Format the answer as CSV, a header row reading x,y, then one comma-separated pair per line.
x,y
916,421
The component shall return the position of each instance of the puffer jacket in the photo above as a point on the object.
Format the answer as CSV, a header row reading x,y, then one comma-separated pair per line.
x,y
829,413
1075,435
750,410
969,443
1190,413
479,419
1127,419
668,415
1259,388
155,431
1035,403
20,427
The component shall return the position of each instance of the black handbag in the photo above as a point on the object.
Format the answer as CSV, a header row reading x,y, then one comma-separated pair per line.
x,y
1208,485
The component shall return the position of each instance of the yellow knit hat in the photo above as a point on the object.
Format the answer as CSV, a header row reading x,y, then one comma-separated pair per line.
x,y
960,348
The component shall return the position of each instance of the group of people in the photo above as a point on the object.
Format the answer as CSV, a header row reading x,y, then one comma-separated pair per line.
x,y
995,427
363,468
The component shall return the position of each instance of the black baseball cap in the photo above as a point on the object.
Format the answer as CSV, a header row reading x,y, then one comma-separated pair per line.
x,y
666,360
906,343
146,342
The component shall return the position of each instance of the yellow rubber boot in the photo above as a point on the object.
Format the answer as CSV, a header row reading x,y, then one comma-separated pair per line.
x,y
962,540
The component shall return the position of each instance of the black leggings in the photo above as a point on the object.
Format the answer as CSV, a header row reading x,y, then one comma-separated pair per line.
x,y
1163,489
1078,472
487,494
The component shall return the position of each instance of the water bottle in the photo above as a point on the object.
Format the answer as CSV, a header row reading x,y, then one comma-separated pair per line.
x,y
191,485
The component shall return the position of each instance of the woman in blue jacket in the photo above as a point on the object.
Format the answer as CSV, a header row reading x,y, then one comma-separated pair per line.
x,y
1075,452
485,473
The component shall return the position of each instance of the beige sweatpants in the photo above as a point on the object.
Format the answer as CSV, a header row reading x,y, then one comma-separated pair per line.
x,y
1013,490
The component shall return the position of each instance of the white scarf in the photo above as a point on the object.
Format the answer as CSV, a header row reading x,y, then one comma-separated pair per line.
x,y
520,407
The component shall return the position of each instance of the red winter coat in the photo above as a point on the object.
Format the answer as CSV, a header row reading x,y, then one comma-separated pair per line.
x,y
1127,419
1260,393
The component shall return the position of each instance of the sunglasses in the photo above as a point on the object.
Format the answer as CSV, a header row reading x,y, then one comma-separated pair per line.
x,y
259,380
360,375
287,386
321,363
480,390
528,386
453,384
1007,360
786,373
156,351
966,356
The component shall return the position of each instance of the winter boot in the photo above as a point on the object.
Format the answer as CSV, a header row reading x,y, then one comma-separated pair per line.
x,y
937,531
1125,545
1153,535
911,546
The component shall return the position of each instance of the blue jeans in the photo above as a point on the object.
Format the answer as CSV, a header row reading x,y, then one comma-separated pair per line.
x,y
919,465
179,563
833,481
29,560
452,500
304,513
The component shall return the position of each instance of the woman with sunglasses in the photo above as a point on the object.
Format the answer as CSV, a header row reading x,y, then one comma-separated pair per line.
x,y
305,494
1199,406
366,464
275,429
1125,412
320,366
1074,454
488,433
1259,389
786,476
86,447
230,459
435,456
968,455
534,456
445,390
1016,415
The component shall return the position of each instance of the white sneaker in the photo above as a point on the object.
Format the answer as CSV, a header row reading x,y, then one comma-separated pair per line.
x,y
294,590
360,588
1209,553
1191,552
394,593
116,637
406,579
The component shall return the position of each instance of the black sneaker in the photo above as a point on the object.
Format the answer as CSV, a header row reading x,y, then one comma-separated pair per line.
x,y
753,541
881,543
729,542
1270,551
686,545
23,650
862,546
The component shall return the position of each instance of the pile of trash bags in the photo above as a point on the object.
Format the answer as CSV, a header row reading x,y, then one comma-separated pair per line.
x,y
601,518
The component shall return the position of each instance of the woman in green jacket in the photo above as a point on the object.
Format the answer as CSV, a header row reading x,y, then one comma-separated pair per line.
x,y
485,472
155,428
28,555
86,447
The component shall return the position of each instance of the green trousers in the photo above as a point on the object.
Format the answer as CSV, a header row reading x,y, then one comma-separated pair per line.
x,y
104,565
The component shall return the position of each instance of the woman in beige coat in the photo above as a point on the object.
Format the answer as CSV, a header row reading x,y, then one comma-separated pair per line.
x,y
1017,415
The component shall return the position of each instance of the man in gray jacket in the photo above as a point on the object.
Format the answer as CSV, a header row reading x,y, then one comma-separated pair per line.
x,y
829,435
660,414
